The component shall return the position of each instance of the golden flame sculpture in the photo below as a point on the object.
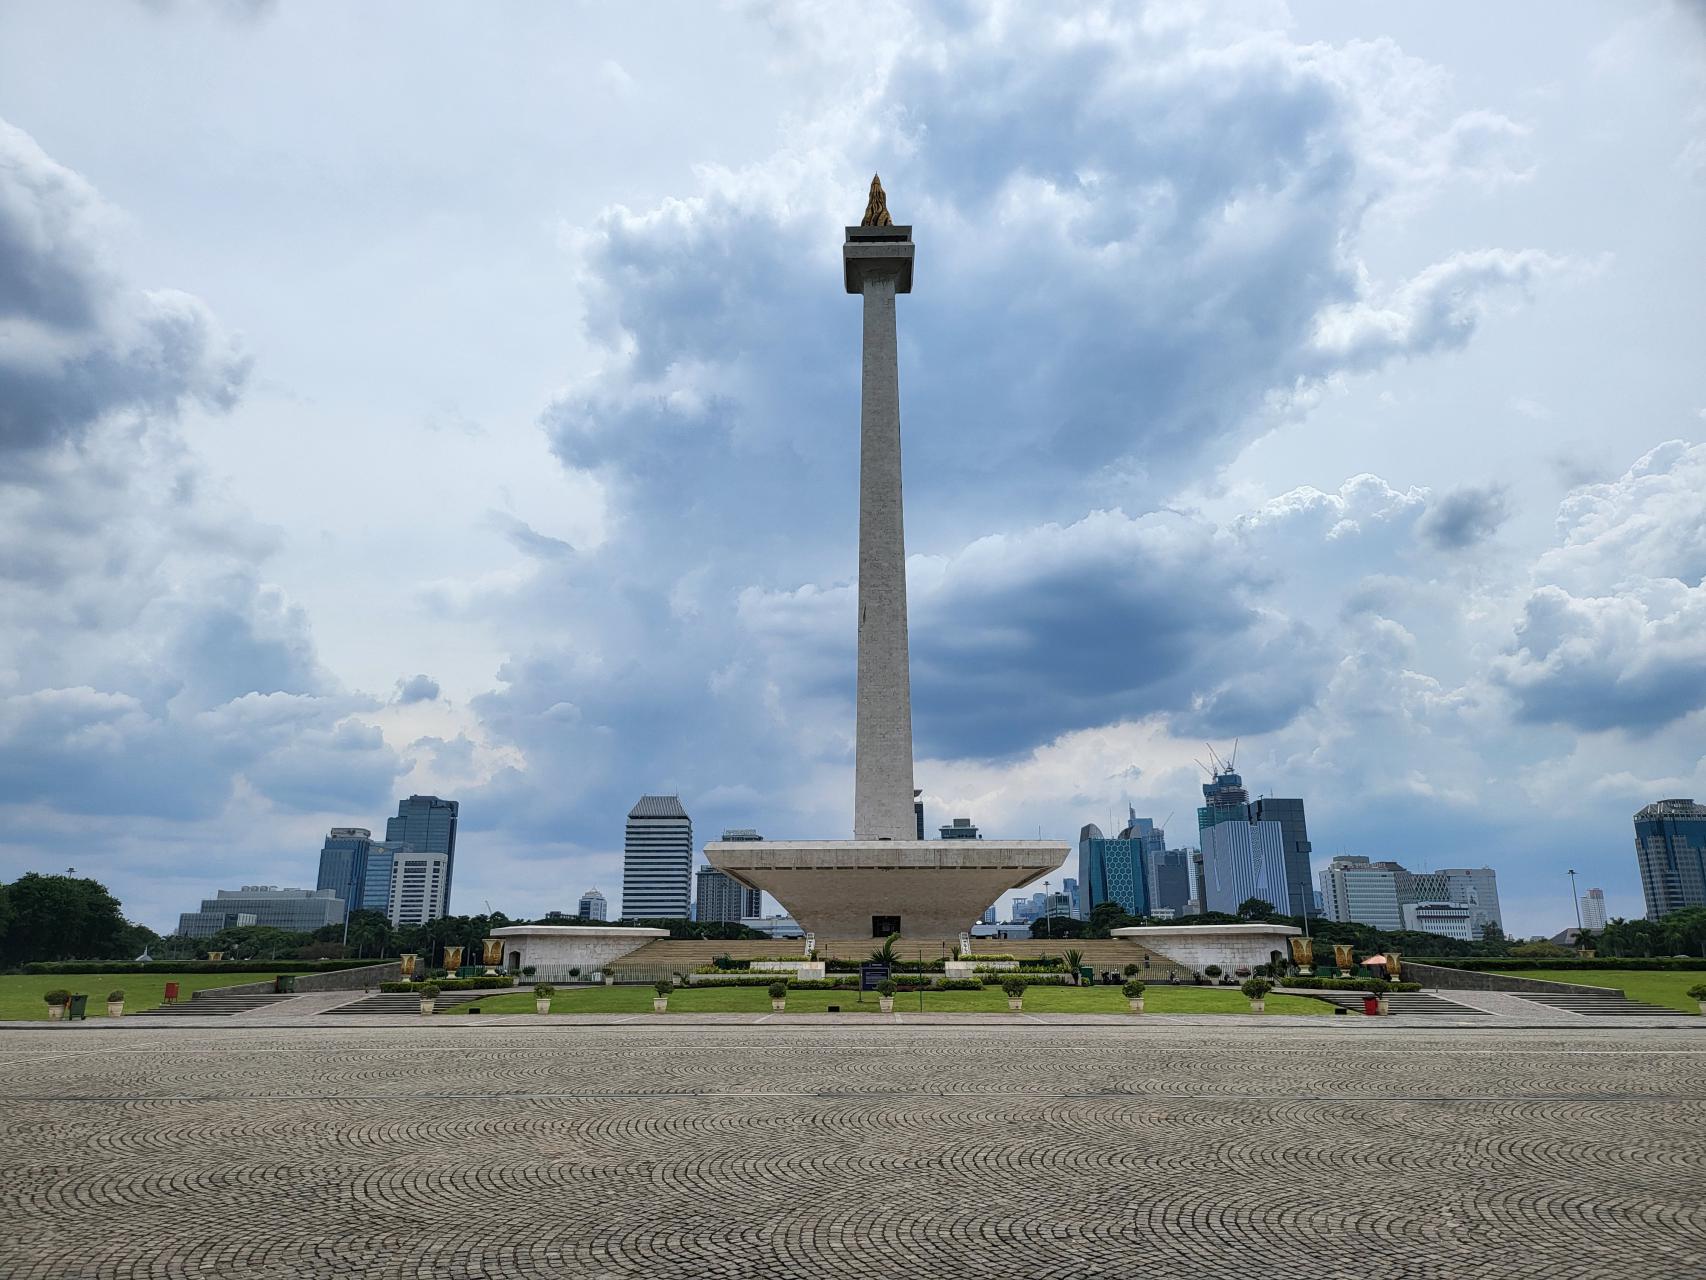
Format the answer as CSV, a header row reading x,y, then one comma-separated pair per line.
x,y
877,207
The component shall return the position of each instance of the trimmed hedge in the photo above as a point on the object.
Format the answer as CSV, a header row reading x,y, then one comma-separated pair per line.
x,y
794,984
1347,984
998,979
199,966
1499,964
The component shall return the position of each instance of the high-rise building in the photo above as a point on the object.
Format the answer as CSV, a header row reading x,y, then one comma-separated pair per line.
x,y
989,916
1069,887
657,860
1452,919
1020,910
1226,800
1111,871
721,899
357,868
1355,889
592,906
960,829
295,910
427,825
1169,880
419,883
1243,860
1476,887
1670,846
1593,909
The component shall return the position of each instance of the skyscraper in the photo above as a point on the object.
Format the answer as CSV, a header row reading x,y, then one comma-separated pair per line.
x,y
1167,871
358,868
959,829
1593,909
420,885
427,825
1670,846
1476,887
657,860
1225,800
592,906
1111,871
720,899
1355,889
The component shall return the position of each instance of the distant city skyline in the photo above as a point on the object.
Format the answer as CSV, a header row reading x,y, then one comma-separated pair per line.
x,y
1373,442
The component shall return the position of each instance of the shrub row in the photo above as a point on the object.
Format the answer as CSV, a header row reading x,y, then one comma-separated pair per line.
x,y
197,966
794,984
1494,964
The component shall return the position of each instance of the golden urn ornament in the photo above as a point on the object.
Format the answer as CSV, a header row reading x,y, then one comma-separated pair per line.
x,y
453,958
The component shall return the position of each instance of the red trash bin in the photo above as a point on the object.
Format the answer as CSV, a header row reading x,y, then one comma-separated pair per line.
x,y
171,993
1371,1005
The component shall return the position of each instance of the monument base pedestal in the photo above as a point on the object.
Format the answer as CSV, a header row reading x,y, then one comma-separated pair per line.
x,y
872,888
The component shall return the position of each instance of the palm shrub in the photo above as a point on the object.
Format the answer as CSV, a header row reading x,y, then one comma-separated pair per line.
x,y
778,990
887,954
1073,960
1133,990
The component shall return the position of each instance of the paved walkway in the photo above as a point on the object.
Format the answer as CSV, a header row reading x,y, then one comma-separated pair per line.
x,y
310,1004
1338,1149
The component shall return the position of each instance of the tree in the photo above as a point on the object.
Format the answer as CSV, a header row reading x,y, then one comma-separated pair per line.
x,y
370,933
62,918
1255,909
1105,917
1058,927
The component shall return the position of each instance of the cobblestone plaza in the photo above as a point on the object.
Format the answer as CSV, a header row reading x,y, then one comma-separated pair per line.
x,y
1145,1148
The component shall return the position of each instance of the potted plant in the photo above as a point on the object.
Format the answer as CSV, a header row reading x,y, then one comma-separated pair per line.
x,y
115,1004
1213,972
1073,960
575,972
528,970
1015,989
1380,987
660,1003
542,997
1133,991
1257,990
778,997
609,977
57,999
1698,992
429,995
886,990
1131,971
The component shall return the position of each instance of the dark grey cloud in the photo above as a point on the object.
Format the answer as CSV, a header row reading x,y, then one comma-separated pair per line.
x,y
417,689
76,343
1466,516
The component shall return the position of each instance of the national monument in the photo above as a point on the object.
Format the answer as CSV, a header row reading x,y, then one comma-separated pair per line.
x,y
884,880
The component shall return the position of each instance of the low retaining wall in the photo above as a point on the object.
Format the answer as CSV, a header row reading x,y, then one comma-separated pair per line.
x,y
349,979
1433,975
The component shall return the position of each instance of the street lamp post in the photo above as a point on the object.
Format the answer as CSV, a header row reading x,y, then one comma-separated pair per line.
x,y
1577,901
1048,911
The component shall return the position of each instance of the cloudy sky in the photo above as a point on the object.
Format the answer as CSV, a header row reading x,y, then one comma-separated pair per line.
x,y
458,398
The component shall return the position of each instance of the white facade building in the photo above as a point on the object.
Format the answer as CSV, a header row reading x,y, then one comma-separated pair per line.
x,y
419,882
1452,919
1593,909
593,906
657,861
1477,887
1354,889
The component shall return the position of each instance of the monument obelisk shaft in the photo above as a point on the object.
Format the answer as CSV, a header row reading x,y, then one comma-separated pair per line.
x,y
877,259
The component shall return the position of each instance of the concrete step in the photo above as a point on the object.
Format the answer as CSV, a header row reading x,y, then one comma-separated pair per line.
x,y
395,1002
214,1005
1399,1002
1593,1005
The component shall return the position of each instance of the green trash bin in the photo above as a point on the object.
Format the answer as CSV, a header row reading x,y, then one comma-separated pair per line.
x,y
1087,973
79,1008
284,983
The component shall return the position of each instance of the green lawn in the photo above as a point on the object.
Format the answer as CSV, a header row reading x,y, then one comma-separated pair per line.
x,y
990,1000
21,994
1655,986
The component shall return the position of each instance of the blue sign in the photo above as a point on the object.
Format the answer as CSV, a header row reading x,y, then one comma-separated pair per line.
x,y
871,974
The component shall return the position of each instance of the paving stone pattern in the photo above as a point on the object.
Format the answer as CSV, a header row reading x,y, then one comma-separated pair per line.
x,y
816,1151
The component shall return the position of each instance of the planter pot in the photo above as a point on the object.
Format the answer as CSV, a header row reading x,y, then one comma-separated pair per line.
x,y
1256,1006
660,1004
1589,954
1136,1004
426,1006
542,1004
56,1012
778,1006
1384,1007
115,1008
1016,1004
1703,1008
610,979
886,1004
